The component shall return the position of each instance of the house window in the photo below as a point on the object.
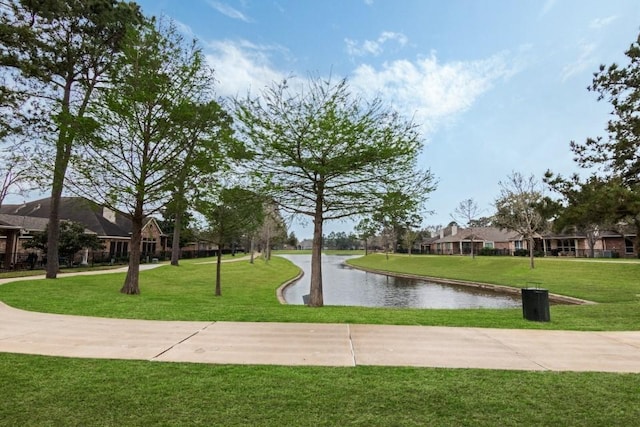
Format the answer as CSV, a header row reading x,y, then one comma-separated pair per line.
x,y
567,245
517,244
118,248
148,246
628,246
488,245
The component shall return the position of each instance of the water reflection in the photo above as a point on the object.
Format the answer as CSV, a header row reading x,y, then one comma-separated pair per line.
x,y
343,285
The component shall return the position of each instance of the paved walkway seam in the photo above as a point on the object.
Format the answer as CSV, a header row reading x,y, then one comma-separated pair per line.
x,y
181,341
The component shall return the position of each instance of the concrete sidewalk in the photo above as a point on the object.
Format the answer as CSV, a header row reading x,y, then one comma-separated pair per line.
x,y
317,344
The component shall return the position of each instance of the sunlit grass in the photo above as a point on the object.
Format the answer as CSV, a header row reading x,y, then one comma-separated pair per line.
x,y
57,391
249,294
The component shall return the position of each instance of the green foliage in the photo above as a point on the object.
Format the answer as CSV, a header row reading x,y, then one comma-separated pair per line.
x,y
327,154
340,241
617,155
588,207
236,212
521,207
57,53
72,239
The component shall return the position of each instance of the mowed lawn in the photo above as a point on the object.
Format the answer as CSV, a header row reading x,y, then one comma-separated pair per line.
x,y
248,293
40,390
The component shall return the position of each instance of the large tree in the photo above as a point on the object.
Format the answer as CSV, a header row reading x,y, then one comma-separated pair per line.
x,y
521,208
588,207
58,51
206,135
618,155
325,153
130,164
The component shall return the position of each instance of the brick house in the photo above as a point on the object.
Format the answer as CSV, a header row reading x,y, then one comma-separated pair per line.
x,y
454,240
113,228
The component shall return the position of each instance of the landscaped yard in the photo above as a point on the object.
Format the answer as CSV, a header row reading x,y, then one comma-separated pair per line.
x,y
248,293
57,391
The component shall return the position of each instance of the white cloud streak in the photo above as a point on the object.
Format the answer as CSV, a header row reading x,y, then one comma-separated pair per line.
x,y
584,61
430,92
546,8
229,11
374,47
600,23
241,66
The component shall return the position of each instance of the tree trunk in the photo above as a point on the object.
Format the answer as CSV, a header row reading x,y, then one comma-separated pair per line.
x,y
366,252
175,245
315,291
53,229
636,241
131,282
63,153
473,254
251,250
531,263
218,269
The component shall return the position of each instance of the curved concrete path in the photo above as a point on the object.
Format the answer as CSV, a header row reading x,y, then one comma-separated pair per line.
x,y
316,344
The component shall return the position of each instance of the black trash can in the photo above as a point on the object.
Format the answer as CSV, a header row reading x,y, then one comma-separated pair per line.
x,y
535,304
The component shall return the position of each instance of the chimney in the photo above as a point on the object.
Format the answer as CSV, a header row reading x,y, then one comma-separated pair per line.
x,y
454,230
109,214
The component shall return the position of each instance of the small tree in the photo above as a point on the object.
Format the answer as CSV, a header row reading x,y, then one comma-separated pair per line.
x,y
237,212
521,208
465,214
72,239
366,229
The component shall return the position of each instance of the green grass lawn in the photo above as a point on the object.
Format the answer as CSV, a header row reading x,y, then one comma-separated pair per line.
x,y
248,293
41,390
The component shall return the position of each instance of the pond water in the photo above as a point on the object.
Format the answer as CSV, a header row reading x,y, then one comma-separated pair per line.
x,y
343,285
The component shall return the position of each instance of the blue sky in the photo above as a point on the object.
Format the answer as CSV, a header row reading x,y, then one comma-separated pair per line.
x,y
496,85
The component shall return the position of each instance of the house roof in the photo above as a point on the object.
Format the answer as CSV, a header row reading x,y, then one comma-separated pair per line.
x,y
22,222
487,234
35,216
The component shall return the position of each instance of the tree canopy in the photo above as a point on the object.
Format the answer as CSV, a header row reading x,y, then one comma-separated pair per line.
x,y
323,152
235,213
56,53
521,208
134,158
618,155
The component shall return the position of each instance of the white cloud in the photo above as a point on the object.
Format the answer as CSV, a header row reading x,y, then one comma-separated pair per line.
x,y
374,47
229,11
584,61
184,28
431,92
548,5
242,66
368,2
599,23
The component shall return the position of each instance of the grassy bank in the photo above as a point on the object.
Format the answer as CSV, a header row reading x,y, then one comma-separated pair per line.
x,y
186,293
605,282
55,391
61,391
